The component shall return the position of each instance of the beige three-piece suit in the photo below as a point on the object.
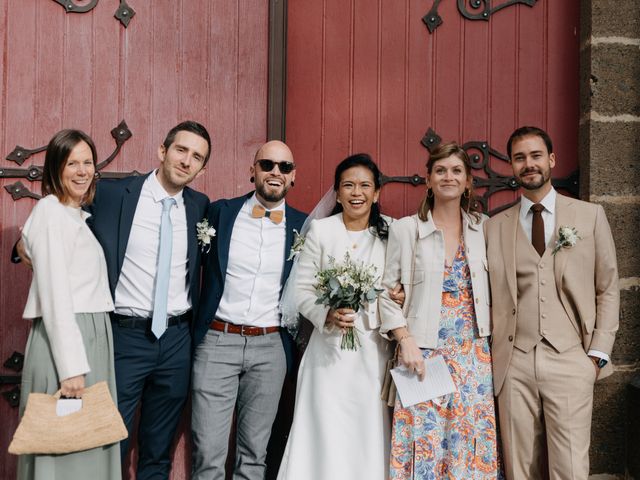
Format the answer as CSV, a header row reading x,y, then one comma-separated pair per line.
x,y
548,312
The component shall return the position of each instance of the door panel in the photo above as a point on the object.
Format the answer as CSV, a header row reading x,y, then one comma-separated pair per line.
x,y
369,76
200,59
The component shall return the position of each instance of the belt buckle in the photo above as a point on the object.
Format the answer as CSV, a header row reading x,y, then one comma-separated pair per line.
x,y
242,334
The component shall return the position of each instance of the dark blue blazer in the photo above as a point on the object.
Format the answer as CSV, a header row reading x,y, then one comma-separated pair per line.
x,y
222,216
111,218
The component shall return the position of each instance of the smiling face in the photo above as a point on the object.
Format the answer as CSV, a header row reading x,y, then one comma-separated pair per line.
x,y
532,163
448,179
356,193
182,162
272,186
78,174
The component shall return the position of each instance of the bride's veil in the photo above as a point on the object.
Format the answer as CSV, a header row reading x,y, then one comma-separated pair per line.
x,y
290,318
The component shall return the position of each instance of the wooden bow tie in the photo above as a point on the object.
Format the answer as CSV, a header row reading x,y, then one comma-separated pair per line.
x,y
274,215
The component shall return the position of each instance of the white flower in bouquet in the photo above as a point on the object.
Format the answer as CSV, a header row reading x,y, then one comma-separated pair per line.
x,y
349,284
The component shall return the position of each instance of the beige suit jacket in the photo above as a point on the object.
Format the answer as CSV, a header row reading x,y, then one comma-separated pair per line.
x,y
586,279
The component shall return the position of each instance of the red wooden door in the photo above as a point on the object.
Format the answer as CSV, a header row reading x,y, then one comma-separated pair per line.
x,y
366,75
200,59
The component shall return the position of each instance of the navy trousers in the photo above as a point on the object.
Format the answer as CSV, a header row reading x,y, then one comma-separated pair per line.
x,y
154,373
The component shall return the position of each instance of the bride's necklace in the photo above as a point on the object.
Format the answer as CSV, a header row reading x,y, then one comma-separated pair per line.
x,y
356,237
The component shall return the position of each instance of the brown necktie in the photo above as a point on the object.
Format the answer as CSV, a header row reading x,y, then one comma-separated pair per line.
x,y
537,229
274,215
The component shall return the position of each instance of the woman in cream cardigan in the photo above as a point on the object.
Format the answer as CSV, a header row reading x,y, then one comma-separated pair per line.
x,y
439,256
70,345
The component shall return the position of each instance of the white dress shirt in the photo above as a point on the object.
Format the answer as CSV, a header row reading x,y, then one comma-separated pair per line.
x,y
254,271
135,288
69,277
549,219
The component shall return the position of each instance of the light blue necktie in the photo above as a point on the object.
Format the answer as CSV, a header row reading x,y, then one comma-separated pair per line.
x,y
163,273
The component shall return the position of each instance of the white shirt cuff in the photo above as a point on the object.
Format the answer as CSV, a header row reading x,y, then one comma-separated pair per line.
x,y
596,353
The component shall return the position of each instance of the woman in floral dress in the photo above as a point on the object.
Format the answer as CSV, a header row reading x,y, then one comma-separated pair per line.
x,y
439,257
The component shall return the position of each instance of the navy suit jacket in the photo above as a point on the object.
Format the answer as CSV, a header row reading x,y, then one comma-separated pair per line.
x,y
111,218
222,216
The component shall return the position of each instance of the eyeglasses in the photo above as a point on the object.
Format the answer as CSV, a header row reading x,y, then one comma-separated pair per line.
x,y
267,165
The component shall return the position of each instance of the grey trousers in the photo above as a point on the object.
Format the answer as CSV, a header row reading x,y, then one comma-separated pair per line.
x,y
230,371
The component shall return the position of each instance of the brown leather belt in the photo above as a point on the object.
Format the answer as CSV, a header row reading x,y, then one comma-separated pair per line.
x,y
244,330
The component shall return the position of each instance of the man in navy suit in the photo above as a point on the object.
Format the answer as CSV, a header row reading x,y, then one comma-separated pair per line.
x,y
153,369
241,353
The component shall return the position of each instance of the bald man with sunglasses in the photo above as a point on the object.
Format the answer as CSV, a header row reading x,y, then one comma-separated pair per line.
x,y
241,353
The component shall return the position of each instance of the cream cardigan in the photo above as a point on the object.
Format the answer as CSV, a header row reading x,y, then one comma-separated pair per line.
x,y
422,282
69,277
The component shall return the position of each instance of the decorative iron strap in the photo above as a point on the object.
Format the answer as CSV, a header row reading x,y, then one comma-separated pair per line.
x,y
15,363
471,10
480,153
18,190
124,13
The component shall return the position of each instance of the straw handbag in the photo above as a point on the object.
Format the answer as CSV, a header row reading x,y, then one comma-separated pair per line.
x,y
42,431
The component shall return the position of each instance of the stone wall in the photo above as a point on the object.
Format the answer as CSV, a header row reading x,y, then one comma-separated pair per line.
x,y
610,175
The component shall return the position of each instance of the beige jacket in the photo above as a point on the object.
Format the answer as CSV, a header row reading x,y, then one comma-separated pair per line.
x,y
422,277
586,280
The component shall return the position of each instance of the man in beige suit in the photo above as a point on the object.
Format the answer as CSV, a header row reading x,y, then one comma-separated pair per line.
x,y
554,283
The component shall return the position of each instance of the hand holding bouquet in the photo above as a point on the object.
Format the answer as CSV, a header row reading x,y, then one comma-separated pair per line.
x,y
349,284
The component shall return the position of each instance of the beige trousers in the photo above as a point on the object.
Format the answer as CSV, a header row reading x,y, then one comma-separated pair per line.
x,y
544,411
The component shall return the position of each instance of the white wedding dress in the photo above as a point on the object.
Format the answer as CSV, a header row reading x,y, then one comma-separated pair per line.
x,y
341,427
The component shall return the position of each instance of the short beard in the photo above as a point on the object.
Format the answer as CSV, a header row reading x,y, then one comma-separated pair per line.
x,y
546,175
271,197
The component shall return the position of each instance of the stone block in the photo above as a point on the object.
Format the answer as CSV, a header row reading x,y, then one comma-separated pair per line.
x,y
624,220
626,350
615,79
608,428
613,157
619,18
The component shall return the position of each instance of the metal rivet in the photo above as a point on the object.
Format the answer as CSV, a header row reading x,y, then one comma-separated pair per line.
x,y
70,6
431,140
17,190
19,154
432,19
485,14
121,132
125,13
484,145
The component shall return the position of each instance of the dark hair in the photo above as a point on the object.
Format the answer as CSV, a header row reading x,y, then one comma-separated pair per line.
x,y
466,202
58,151
526,131
377,224
193,127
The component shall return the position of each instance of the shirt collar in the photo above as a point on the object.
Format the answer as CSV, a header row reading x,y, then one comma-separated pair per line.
x,y
548,202
253,200
158,193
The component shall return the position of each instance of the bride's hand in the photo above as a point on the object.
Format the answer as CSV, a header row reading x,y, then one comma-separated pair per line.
x,y
411,357
341,318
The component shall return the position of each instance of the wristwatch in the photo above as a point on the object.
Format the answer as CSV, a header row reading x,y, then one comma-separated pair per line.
x,y
601,362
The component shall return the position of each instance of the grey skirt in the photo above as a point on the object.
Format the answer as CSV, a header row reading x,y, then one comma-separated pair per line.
x,y
39,375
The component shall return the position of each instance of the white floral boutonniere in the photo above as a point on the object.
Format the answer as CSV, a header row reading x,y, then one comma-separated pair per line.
x,y
567,238
205,234
298,243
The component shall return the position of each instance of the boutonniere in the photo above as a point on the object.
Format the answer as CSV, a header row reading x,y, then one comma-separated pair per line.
x,y
567,238
298,243
205,234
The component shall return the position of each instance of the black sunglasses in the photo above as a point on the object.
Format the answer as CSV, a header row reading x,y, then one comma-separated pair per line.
x,y
267,165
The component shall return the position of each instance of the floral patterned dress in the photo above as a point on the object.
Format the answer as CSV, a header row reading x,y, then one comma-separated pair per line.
x,y
454,436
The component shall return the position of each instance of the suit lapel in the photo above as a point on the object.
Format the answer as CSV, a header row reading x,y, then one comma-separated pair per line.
x,y
508,233
192,241
228,215
565,217
127,212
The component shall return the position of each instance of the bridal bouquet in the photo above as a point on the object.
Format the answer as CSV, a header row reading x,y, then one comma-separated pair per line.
x,y
348,284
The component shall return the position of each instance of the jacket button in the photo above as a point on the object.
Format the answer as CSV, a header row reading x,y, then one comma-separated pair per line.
x,y
511,338
513,312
